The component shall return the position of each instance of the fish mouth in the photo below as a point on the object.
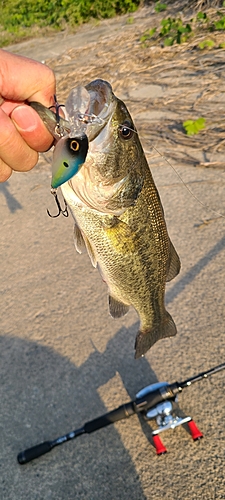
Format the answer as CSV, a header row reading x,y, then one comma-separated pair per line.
x,y
101,107
87,111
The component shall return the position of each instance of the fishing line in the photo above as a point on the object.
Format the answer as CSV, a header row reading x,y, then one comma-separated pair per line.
x,y
188,189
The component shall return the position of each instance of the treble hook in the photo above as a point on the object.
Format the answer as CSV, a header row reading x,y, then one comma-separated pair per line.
x,y
64,212
58,129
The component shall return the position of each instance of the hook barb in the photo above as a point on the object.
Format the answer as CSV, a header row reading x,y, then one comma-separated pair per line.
x,y
64,212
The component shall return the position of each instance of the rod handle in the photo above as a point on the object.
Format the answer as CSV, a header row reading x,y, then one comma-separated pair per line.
x,y
123,411
36,451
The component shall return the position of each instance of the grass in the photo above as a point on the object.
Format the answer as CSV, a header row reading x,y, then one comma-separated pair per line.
x,y
21,19
172,31
24,19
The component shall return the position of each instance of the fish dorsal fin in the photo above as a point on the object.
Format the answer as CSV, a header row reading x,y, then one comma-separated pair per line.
x,y
82,243
117,308
174,264
78,239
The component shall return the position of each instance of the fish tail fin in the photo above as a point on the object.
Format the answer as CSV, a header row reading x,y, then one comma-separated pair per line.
x,y
146,338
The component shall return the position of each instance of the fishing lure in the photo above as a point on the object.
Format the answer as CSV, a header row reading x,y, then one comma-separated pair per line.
x,y
71,142
71,149
69,154
71,145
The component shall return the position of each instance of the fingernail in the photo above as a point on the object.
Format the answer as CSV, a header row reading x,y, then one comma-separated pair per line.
x,y
25,118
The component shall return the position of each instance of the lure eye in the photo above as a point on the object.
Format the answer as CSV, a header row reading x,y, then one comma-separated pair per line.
x,y
126,130
74,145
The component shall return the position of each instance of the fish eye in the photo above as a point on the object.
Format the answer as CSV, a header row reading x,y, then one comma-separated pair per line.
x,y
126,130
74,145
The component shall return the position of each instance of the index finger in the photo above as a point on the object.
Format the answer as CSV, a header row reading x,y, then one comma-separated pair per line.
x,y
23,79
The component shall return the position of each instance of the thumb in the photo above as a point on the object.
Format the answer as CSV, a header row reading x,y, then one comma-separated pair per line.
x,y
31,128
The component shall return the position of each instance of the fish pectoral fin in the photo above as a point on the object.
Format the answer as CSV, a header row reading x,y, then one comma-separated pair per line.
x,y
117,308
82,243
174,264
146,338
121,236
90,251
78,240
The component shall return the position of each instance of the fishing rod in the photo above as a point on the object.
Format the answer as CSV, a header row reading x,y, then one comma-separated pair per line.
x,y
155,401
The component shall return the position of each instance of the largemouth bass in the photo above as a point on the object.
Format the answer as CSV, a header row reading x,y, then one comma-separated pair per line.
x,y
119,218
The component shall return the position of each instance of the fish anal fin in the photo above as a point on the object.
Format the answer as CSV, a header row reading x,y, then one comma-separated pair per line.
x,y
174,264
146,338
117,308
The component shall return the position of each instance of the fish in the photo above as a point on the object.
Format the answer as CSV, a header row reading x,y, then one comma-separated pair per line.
x,y
119,217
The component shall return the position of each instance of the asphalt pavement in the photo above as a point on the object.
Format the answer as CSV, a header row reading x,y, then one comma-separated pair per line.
x,y
65,361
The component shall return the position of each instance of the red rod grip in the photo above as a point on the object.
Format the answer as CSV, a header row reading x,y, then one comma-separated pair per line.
x,y
195,432
159,446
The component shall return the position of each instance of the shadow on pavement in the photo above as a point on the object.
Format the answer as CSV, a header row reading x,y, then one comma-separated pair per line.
x,y
43,395
11,201
185,280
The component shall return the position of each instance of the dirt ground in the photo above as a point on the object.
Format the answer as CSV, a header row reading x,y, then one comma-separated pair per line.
x,y
63,359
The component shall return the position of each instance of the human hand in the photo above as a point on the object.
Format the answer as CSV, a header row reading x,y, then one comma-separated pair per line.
x,y
22,132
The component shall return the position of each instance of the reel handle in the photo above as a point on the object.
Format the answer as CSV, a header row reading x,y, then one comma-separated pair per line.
x,y
195,432
159,446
